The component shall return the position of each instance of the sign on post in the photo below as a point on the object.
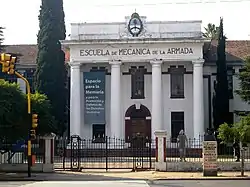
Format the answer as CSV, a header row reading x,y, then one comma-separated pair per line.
x,y
210,158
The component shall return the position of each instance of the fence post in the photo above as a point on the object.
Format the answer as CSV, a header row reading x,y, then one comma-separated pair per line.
x,y
106,152
160,150
48,162
210,165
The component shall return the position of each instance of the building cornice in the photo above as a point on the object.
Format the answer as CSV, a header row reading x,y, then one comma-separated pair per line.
x,y
132,41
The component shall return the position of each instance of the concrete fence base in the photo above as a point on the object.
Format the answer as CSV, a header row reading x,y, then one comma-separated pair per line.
x,y
16,168
194,166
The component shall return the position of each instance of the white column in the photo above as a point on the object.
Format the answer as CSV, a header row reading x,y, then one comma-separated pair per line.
x,y
198,101
115,100
157,108
75,99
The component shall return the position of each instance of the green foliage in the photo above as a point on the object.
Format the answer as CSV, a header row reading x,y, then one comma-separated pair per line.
x,y
221,95
41,106
239,131
14,120
244,77
50,76
226,133
12,106
211,32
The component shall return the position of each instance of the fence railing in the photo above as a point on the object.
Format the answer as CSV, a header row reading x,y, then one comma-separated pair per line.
x,y
15,152
113,149
119,148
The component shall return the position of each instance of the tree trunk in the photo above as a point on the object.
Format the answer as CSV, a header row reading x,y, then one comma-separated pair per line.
x,y
242,159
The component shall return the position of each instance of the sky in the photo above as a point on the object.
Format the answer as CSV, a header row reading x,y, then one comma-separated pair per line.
x,y
20,17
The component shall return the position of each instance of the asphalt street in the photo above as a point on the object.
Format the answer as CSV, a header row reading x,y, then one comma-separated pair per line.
x,y
132,183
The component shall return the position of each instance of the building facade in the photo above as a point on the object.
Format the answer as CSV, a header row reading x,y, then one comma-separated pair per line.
x,y
138,77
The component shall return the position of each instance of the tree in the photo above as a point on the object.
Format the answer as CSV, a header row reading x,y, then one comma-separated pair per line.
x,y
42,106
211,32
14,121
237,132
12,106
1,39
50,75
221,95
244,86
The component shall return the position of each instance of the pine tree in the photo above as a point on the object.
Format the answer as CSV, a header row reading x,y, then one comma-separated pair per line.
x,y
50,76
221,96
1,39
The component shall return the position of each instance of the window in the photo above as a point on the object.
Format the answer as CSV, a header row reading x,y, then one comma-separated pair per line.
x,y
98,133
230,72
177,124
177,82
137,82
95,69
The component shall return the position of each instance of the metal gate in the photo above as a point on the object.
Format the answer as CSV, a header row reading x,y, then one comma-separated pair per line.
x,y
104,153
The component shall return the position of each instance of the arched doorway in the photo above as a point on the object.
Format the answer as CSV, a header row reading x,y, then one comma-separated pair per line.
x,y
137,121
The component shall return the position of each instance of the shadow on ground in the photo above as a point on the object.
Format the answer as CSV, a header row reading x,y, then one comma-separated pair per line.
x,y
58,177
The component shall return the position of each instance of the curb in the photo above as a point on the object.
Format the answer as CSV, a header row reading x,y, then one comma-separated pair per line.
x,y
126,179
20,179
205,178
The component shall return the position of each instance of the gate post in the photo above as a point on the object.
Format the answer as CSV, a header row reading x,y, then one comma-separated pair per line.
x,y
160,150
48,160
75,152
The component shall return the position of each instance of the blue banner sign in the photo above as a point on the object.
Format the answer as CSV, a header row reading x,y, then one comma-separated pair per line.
x,y
94,97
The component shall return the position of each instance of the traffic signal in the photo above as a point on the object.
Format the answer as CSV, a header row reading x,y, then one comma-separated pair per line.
x,y
32,134
5,57
5,67
33,126
12,65
34,121
8,63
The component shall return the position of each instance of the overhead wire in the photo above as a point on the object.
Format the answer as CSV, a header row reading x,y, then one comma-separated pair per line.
x,y
172,2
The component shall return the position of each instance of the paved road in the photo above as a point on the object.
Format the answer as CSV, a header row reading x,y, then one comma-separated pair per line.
x,y
133,183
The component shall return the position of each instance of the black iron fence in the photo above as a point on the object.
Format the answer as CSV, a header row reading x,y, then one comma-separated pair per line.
x,y
193,151
114,153
15,152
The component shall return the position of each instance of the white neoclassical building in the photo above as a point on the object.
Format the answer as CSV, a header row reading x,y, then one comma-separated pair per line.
x,y
138,76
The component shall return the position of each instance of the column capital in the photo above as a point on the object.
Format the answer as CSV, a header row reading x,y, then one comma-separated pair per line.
x,y
156,62
115,63
160,133
198,62
75,65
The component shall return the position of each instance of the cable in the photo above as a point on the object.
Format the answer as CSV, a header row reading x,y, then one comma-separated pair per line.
x,y
174,2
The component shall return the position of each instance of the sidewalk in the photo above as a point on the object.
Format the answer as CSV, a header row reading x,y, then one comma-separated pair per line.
x,y
118,175
154,175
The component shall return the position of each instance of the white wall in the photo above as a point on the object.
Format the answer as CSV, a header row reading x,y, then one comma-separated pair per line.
x,y
237,103
170,105
152,29
185,104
